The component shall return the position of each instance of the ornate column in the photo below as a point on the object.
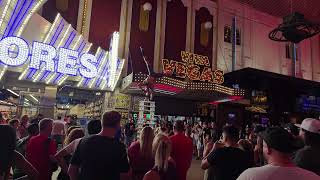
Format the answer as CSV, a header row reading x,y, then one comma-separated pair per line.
x,y
84,17
160,34
190,25
125,28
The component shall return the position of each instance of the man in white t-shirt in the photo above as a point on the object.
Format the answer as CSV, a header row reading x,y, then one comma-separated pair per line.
x,y
58,131
278,147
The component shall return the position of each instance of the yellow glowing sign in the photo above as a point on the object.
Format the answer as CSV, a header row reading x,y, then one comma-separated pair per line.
x,y
194,66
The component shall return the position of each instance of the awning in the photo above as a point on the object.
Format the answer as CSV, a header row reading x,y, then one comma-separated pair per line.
x,y
166,86
250,78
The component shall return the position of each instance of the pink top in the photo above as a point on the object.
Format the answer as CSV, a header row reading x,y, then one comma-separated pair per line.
x,y
58,127
140,166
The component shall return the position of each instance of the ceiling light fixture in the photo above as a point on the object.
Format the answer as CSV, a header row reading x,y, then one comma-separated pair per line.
x,y
12,92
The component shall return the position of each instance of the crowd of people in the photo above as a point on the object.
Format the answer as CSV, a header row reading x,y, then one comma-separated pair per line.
x,y
34,149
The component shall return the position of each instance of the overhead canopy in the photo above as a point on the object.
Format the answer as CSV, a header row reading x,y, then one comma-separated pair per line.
x,y
281,8
250,78
197,91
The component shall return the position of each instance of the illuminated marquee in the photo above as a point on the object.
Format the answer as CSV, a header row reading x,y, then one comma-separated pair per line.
x,y
60,53
194,66
14,51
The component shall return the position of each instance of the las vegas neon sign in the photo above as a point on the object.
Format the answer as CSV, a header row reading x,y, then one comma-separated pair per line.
x,y
195,67
15,51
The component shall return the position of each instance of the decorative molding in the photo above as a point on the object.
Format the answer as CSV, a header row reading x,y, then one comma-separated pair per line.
x,y
123,27
159,34
128,32
163,35
84,18
214,40
186,3
193,29
190,14
210,5
80,15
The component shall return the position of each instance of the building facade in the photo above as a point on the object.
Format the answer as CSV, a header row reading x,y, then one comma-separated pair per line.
x,y
166,27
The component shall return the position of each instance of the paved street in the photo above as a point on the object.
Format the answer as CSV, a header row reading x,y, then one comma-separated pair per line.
x,y
195,172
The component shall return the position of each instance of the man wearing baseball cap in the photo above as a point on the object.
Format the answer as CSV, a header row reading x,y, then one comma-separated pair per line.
x,y
278,147
308,157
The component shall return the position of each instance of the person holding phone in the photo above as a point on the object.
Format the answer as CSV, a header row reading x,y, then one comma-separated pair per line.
x,y
226,160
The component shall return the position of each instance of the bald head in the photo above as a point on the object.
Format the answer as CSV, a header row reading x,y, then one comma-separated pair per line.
x,y
45,126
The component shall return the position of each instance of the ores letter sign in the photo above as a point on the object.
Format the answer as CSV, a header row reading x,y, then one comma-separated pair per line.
x,y
193,66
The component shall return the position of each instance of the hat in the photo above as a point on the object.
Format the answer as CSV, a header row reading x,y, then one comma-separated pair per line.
x,y
311,125
279,139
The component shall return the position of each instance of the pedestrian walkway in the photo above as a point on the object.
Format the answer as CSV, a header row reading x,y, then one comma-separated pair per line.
x,y
195,172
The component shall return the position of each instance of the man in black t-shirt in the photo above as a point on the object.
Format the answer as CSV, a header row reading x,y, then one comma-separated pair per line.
x,y
100,156
308,157
226,161
129,132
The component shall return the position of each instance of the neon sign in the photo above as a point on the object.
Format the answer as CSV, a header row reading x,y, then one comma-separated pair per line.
x,y
59,54
15,51
195,67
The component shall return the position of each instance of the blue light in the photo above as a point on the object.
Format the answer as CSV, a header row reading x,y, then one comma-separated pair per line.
x,y
9,22
64,63
33,71
82,43
99,60
56,38
66,45
12,30
70,39
55,32
105,69
81,49
45,75
52,42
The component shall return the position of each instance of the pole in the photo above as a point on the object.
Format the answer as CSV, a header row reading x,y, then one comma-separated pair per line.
x,y
234,43
294,60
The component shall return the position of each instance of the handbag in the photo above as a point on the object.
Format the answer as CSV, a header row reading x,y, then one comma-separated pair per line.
x,y
53,165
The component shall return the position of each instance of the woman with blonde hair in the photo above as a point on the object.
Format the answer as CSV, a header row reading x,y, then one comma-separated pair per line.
x,y
140,154
164,167
63,157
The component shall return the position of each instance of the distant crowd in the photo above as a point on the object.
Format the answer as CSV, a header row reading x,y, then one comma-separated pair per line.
x,y
35,149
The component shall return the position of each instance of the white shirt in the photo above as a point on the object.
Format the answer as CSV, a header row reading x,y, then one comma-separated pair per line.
x,y
270,172
58,127
71,148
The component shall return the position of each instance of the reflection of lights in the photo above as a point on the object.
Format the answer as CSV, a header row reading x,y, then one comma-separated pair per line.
x,y
51,28
77,42
88,48
13,92
65,77
28,17
62,80
4,12
99,52
3,71
59,45
64,35
34,98
45,41
113,58
6,103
